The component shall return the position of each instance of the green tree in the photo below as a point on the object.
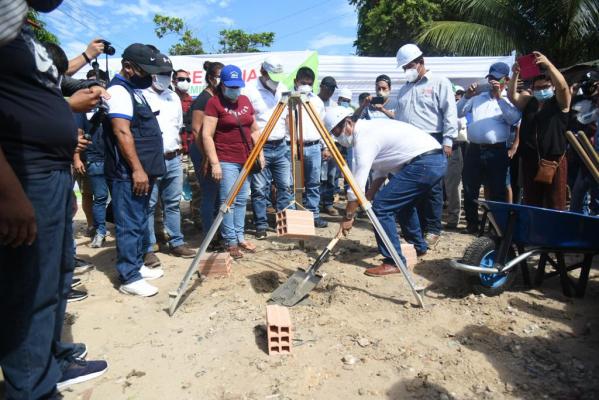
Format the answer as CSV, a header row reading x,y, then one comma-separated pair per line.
x,y
41,33
188,44
564,30
238,41
385,25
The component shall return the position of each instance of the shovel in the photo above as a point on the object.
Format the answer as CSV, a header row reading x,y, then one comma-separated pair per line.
x,y
302,281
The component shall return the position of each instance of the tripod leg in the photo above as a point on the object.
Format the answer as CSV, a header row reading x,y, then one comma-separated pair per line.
x,y
364,203
176,296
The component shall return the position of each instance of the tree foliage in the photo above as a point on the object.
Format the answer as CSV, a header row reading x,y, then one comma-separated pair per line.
x,y
188,44
41,33
238,41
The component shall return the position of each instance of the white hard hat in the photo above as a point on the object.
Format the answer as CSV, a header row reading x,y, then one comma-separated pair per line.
x,y
406,54
345,93
273,64
457,88
334,115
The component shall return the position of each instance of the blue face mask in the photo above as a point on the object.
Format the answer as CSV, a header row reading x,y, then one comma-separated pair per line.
x,y
231,93
543,94
344,104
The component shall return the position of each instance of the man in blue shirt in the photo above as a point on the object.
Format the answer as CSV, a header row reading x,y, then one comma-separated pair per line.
x,y
486,160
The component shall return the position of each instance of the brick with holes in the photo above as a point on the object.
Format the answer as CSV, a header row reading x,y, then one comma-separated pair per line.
x,y
279,329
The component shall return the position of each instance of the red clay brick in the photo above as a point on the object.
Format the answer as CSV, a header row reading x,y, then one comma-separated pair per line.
x,y
279,330
215,264
409,252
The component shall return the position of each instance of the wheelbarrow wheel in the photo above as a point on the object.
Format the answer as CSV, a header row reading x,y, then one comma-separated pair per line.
x,y
481,252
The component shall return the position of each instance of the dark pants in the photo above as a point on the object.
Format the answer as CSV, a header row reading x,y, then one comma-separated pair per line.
x,y
430,209
411,185
130,219
585,187
34,283
483,165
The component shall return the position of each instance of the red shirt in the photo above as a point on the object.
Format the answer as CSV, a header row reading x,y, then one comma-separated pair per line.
x,y
230,147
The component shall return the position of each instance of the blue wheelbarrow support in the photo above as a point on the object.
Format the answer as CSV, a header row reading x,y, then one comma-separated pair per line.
x,y
519,232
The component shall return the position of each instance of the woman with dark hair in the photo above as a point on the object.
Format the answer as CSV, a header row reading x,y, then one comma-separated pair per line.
x,y
383,105
208,187
542,135
228,133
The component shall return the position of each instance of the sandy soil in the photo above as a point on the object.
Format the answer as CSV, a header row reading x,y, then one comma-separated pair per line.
x,y
360,338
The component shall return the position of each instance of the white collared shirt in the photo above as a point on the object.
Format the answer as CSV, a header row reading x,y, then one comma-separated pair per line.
x,y
264,103
308,128
384,146
170,117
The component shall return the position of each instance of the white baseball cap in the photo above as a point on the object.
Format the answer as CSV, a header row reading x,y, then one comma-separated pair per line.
x,y
458,88
273,64
334,115
345,93
406,54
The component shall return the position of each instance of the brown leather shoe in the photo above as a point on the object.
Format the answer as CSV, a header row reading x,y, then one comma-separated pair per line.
x,y
235,252
183,251
151,260
382,270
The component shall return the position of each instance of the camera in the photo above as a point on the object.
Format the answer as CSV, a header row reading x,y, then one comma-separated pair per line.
x,y
108,49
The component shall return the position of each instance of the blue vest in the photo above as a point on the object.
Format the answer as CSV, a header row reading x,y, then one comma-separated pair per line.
x,y
146,134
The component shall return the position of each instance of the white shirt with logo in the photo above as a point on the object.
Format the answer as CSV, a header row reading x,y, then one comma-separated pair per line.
x,y
170,116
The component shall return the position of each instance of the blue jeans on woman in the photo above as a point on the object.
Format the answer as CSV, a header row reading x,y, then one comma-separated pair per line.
x,y
411,185
234,220
208,187
95,172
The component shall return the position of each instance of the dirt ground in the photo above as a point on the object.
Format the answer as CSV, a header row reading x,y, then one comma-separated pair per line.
x,y
359,338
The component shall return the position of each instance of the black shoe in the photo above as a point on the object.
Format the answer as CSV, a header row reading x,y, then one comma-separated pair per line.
x,y
471,229
260,235
320,223
76,282
81,265
76,295
80,371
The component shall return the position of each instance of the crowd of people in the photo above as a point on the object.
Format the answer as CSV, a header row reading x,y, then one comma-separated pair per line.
x,y
131,141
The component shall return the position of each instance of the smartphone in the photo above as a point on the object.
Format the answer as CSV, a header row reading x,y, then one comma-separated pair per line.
x,y
528,66
377,100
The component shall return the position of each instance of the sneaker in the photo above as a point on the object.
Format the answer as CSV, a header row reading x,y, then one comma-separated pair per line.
x,y
260,235
80,371
81,265
76,295
149,274
79,351
332,211
139,288
151,260
320,223
90,231
183,251
432,240
98,241
76,282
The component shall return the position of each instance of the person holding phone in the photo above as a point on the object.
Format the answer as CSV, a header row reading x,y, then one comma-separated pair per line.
x,y
487,158
381,105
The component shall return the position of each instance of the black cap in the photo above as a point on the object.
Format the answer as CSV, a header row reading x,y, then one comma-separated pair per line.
x,y
145,57
329,82
164,63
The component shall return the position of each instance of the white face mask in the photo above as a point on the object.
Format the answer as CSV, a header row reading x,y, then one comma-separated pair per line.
x,y
304,89
183,86
411,74
345,140
161,82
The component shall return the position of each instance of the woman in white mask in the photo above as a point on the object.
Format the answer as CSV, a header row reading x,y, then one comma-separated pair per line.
x,y
382,105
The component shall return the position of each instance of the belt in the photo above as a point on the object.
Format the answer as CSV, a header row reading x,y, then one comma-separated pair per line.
x,y
501,145
275,142
169,155
428,153
309,143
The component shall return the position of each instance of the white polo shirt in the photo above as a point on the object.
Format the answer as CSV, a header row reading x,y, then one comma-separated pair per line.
x,y
170,117
264,103
384,146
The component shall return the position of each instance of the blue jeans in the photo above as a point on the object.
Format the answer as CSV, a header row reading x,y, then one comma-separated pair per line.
x,y
169,188
411,185
312,164
130,218
234,220
95,172
329,177
208,187
277,168
483,165
34,283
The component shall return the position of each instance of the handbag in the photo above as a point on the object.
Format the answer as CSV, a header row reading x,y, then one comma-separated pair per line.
x,y
256,167
547,168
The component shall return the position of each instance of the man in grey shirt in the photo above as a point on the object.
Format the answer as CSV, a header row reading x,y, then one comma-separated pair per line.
x,y
427,102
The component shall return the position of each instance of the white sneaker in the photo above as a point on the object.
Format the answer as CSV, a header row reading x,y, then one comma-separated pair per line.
x,y
149,274
139,288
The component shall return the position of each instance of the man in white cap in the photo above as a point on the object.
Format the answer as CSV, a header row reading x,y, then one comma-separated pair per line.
x,y
427,102
344,99
264,96
412,159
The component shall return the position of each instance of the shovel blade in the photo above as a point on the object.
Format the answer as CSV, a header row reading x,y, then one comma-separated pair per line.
x,y
295,289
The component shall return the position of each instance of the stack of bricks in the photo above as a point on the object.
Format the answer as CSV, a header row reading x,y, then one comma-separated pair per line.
x,y
215,264
295,223
278,328
409,252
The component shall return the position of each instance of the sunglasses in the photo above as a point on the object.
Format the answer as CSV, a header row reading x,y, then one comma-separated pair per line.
x,y
182,79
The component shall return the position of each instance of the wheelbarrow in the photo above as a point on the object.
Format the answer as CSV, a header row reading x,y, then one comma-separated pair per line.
x,y
518,232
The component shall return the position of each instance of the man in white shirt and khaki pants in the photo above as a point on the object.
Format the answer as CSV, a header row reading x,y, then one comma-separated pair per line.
x,y
410,158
